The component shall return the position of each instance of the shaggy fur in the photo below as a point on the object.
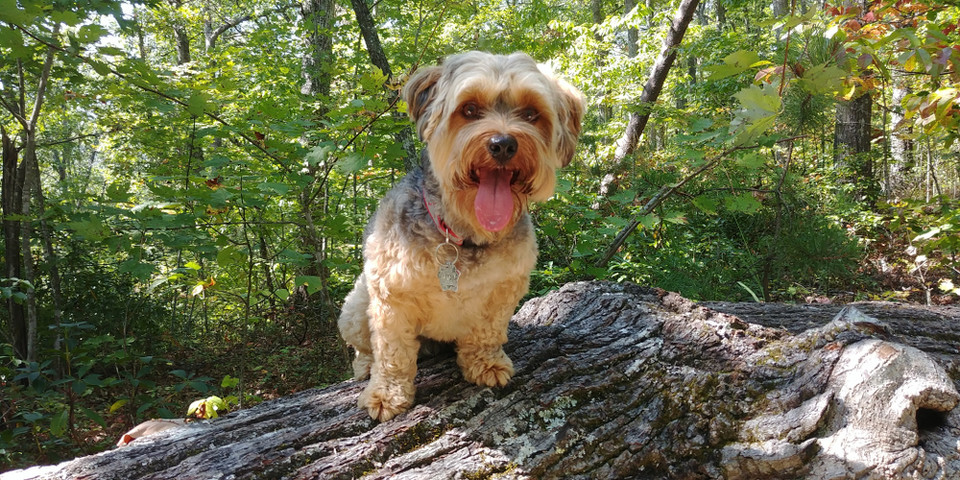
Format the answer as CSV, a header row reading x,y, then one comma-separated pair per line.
x,y
482,117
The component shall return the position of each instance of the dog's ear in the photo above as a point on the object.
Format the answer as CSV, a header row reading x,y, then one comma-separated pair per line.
x,y
570,113
419,92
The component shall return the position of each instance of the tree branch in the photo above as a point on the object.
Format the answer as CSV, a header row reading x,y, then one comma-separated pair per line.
x,y
664,193
154,91
42,85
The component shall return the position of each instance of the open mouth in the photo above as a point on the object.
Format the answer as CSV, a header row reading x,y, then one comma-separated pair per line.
x,y
493,205
515,175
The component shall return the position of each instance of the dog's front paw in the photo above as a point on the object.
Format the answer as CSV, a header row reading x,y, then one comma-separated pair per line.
x,y
383,402
492,370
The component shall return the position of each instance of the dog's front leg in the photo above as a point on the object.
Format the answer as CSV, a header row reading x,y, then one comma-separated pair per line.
x,y
395,346
481,356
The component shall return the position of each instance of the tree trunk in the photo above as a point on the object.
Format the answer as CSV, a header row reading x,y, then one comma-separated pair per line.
x,y
13,267
28,181
615,381
779,8
852,143
651,91
903,161
182,38
317,21
379,59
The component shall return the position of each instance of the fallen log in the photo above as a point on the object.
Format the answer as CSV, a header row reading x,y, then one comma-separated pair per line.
x,y
612,381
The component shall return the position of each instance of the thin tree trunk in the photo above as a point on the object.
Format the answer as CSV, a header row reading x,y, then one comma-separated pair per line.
x,y
379,59
317,18
11,193
182,39
317,21
52,260
852,142
28,180
901,146
651,91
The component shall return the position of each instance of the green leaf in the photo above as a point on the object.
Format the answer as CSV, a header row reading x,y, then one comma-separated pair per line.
x,y
705,204
351,163
65,16
698,124
753,295
138,269
32,417
624,197
92,415
751,161
274,188
319,153
649,221
822,79
677,218
79,387
759,102
734,64
10,38
119,190
744,203
91,229
58,423
313,284
197,103
11,12
90,33
231,255
118,405
113,51
101,68
933,232
229,382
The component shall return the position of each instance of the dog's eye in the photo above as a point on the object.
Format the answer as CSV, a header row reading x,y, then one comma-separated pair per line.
x,y
529,114
470,111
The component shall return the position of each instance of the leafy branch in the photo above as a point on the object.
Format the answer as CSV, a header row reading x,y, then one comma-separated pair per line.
x,y
665,192
101,67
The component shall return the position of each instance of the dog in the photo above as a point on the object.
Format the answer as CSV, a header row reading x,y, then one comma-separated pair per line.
x,y
449,251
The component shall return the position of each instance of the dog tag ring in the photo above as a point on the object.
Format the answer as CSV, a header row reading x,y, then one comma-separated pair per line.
x,y
448,274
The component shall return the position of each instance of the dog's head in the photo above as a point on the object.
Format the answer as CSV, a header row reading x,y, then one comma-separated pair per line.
x,y
497,127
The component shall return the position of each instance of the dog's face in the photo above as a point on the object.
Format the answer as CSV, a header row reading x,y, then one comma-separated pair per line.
x,y
497,127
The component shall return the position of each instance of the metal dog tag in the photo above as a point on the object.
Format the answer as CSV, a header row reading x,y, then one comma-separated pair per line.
x,y
449,277
448,274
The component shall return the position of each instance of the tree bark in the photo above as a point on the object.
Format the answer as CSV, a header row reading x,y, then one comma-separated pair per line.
x,y
182,39
317,20
616,381
852,143
903,161
651,91
379,59
13,266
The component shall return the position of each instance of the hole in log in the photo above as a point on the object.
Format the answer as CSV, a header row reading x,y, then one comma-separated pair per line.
x,y
929,420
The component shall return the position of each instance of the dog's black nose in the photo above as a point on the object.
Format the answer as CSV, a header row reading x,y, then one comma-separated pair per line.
x,y
502,147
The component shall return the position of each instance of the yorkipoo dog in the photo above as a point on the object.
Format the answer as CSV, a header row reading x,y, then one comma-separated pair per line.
x,y
448,253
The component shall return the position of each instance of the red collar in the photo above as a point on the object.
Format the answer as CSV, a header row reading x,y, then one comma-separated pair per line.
x,y
441,225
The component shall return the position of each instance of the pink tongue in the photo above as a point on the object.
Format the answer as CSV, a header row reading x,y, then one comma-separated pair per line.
x,y
494,203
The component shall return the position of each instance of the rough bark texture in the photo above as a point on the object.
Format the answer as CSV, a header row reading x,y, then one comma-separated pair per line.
x,y
616,381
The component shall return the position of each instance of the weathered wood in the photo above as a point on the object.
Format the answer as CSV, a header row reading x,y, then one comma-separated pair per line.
x,y
612,381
